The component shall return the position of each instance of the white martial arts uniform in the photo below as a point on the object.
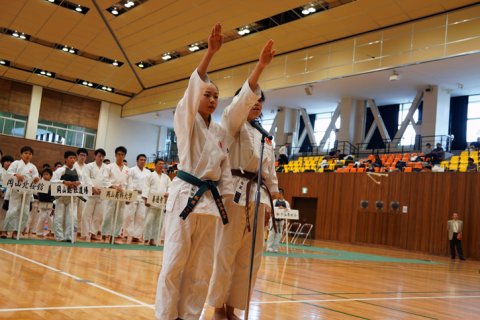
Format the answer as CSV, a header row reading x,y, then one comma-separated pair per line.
x,y
134,212
3,172
118,177
229,282
273,241
29,171
64,208
188,252
44,210
80,203
92,215
154,184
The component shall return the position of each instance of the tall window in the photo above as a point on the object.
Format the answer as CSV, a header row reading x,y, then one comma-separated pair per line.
x,y
322,120
473,118
66,134
12,124
408,138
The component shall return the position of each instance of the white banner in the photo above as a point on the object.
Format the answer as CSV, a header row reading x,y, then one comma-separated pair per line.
x,y
115,195
156,200
59,189
11,182
289,214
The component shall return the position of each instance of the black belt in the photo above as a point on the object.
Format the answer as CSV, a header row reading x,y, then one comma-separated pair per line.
x,y
252,177
203,185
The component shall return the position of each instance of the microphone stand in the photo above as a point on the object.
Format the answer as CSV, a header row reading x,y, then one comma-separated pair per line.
x,y
255,222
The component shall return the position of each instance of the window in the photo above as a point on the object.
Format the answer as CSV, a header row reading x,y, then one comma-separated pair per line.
x,y
322,120
473,118
408,138
12,124
66,134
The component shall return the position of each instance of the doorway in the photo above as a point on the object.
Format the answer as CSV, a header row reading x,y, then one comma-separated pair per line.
x,y
307,208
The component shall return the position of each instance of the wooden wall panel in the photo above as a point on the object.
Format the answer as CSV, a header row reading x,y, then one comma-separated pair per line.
x,y
15,97
431,199
44,152
69,109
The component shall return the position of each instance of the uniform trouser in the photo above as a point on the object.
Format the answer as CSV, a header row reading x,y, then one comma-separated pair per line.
x,y
134,218
153,224
80,208
187,266
62,221
43,215
456,244
3,213
229,282
109,218
92,215
13,214
273,241
33,217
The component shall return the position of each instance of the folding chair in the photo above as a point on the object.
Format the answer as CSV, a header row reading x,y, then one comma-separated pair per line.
x,y
293,228
304,232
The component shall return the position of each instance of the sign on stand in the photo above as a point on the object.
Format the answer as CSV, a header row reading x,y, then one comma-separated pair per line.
x,y
286,214
118,196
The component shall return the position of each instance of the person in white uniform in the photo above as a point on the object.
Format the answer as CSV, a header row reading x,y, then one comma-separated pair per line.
x,y
22,169
117,177
157,183
45,206
229,282
134,214
92,215
64,206
5,161
196,195
274,236
80,166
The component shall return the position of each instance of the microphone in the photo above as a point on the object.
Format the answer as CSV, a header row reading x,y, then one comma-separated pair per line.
x,y
259,127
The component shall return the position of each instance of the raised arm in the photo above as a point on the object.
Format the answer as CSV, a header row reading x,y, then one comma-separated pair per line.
x,y
215,41
237,112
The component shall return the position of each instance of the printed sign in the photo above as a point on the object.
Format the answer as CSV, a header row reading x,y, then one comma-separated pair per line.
x,y
59,189
26,185
289,214
115,195
156,200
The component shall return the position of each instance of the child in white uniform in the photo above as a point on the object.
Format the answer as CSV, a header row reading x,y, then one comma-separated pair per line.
x,y
229,282
92,215
156,183
117,176
22,169
189,239
45,207
64,206
5,161
134,215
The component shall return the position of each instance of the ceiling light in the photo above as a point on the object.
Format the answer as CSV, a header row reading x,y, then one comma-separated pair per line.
x,y
90,84
65,49
104,88
312,9
15,34
109,89
71,50
243,31
114,11
42,72
131,3
140,65
115,63
51,0
194,47
305,11
4,62
394,76
78,9
166,56
22,36
85,83
49,74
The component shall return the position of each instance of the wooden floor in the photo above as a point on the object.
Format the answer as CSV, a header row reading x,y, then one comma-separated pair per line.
x,y
327,281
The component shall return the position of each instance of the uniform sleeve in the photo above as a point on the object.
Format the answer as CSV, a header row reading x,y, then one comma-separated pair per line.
x,y
287,204
35,173
270,174
106,177
235,115
57,175
225,186
146,186
187,109
13,167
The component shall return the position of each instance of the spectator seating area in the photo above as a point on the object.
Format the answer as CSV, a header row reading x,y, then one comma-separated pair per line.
x,y
409,162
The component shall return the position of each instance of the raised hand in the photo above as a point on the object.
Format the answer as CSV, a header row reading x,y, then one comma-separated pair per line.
x,y
267,53
215,39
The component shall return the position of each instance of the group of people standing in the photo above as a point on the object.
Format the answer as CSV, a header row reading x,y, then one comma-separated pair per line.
x,y
92,216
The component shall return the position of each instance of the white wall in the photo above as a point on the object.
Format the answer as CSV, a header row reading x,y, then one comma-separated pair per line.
x,y
137,137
